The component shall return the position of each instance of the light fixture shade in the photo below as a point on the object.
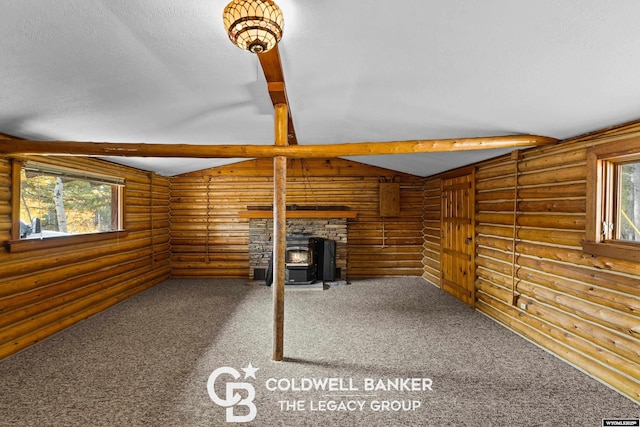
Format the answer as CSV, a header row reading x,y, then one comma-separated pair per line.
x,y
253,25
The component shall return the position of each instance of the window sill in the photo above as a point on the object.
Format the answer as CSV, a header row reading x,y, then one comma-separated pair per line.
x,y
24,245
630,252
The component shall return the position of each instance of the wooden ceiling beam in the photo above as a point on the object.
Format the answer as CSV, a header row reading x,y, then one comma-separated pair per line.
x,y
112,149
273,73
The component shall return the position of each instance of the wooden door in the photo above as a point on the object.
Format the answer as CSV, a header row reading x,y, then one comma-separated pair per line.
x,y
457,247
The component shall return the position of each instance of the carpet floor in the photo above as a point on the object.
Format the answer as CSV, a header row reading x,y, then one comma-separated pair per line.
x,y
383,352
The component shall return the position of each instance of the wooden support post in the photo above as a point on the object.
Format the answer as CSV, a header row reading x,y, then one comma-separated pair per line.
x,y
279,231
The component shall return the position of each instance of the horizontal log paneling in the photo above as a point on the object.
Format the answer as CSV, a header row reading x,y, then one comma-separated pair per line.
x,y
431,230
536,330
20,265
574,189
567,238
572,256
45,302
592,312
218,271
101,277
615,350
583,308
552,176
610,280
208,212
565,205
43,291
58,321
561,158
553,220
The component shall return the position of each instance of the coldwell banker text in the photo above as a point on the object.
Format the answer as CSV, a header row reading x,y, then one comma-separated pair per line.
x,y
351,401
348,384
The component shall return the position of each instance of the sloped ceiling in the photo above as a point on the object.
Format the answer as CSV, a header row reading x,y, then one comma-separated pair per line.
x,y
163,71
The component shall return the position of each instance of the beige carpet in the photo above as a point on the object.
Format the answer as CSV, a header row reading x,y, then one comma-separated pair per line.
x,y
388,352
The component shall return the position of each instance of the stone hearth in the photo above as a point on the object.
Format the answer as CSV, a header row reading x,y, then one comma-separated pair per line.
x,y
261,239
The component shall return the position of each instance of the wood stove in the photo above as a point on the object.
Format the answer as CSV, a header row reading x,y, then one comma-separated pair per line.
x,y
300,260
307,260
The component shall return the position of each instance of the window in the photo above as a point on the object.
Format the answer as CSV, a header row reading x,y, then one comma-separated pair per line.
x,y
613,200
628,202
56,203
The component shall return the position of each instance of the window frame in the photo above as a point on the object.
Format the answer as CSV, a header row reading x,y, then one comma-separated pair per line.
x,y
602,160
17,244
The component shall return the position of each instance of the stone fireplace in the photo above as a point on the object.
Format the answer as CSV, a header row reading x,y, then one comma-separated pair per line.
x,y
300,229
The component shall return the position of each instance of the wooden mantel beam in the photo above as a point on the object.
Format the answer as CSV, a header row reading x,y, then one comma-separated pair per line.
x,y
113,149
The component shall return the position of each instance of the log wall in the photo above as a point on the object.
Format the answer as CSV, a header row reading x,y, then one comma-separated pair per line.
x,y
432,231
45,291
210,239
585,309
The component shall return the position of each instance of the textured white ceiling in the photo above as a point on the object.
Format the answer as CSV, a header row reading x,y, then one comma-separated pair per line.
x,y
164,71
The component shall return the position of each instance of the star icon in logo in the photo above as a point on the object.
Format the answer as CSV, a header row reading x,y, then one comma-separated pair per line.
x,y
250,371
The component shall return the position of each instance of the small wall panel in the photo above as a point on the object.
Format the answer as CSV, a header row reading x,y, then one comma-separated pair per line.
x,y
389,199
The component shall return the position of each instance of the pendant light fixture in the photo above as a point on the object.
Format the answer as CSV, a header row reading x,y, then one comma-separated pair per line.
x,y
253,25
